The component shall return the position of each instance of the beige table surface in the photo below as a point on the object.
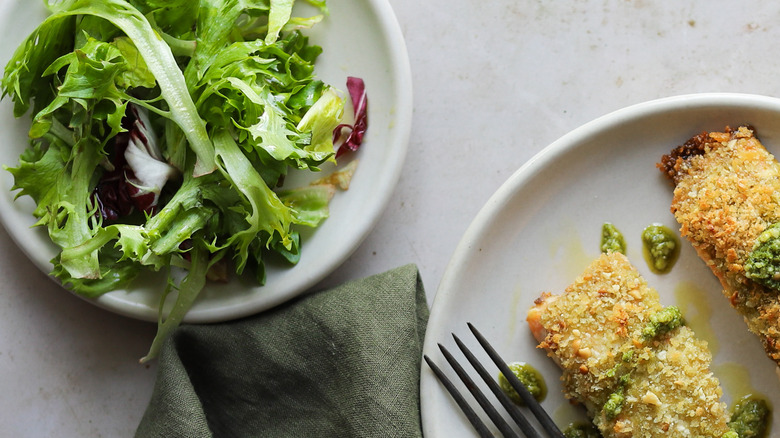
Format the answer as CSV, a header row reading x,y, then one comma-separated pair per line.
x,y
494,83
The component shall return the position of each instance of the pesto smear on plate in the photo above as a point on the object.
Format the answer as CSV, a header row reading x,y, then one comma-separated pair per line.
x,y
612,239
661,248
528,376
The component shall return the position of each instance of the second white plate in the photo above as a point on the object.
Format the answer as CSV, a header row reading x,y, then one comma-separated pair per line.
x,y
542,228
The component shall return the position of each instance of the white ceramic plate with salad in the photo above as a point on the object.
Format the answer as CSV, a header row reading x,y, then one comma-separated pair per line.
x,y
358,38
543,227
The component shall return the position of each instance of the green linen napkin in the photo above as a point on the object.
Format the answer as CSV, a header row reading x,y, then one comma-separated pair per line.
x,y
338,363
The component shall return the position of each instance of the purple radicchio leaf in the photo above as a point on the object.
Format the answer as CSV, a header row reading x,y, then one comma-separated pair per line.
x,y
359,97
110,194
139,172
149,171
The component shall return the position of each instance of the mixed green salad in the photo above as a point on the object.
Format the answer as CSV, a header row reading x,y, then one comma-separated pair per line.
x,y
161,134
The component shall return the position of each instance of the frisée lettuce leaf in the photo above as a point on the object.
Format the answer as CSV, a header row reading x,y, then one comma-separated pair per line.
x,y
161,134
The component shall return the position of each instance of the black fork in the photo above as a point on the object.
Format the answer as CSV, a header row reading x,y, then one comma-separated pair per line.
x,y
517,414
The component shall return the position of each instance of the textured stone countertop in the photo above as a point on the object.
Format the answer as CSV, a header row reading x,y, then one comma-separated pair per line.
x,y
494,83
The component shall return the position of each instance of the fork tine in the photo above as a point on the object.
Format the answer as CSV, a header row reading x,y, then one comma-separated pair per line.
x,y
512,408
488,407
530,401
462,403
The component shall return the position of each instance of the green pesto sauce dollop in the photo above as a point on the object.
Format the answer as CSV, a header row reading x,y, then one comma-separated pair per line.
x,y
750,417
661,247
663,321
581,431
529,376
763,264
612,239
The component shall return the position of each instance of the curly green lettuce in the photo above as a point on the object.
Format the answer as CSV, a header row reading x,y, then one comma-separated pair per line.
x,y
191,111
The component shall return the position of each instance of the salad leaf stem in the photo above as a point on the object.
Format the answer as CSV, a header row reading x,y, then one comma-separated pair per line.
x,y
187,195
74,197
188,291
61,132
188,222
268,213
279,15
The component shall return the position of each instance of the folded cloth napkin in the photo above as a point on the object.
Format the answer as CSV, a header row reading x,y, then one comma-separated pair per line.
x,y
344,362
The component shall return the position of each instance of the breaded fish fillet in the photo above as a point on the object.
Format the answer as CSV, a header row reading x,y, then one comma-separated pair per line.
x,y
726,194
634,378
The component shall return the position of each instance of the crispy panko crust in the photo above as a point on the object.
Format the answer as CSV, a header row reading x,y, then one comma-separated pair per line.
x,y
726,193
596,324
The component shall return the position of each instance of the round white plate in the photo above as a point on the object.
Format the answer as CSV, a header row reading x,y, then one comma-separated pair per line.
x,y
359,38
542,228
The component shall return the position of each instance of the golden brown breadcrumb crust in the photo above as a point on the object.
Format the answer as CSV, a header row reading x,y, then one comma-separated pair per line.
x,y
726,194
594,332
